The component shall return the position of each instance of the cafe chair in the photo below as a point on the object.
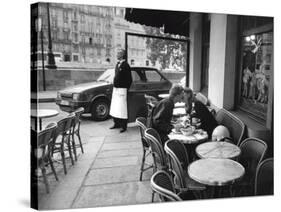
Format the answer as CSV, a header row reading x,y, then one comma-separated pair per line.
x,y
141,122
162,184
151,102
157,151
235,126
179,163
158,154
42,154
264,178
252,153
75,131
63,130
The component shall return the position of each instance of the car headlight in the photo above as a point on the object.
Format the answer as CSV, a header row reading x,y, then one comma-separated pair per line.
x,y
58,95
75,96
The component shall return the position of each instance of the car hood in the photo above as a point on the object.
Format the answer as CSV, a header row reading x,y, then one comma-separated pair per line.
x,y
83,87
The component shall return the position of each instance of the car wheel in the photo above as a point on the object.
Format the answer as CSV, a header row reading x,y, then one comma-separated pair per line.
x,y
100,110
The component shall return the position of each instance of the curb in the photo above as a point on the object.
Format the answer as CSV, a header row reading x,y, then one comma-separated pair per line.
x,y
43,100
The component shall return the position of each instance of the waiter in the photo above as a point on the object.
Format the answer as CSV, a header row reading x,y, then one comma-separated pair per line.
x,y
121,83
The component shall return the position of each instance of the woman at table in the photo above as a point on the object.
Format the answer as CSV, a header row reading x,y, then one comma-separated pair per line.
x,y
163,112
199,110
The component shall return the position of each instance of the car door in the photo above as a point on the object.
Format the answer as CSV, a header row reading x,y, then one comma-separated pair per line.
x,y
144,81
156,83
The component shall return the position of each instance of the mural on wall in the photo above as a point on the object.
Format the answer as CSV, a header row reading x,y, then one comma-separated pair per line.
x,y
257,53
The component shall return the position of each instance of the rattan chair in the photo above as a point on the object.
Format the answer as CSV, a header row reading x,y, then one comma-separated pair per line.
x,y
141,122
179,162
158,154
162,184
264,178
45,138
64,130
75,131
252,153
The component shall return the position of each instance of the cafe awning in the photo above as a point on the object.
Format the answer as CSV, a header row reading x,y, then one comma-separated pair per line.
x,y
174,22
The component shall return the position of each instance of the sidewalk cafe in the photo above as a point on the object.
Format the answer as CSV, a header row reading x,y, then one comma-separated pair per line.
x,y
228,84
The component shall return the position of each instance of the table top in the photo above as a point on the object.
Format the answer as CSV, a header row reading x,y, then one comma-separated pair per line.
x,y
216,149
43,113
215,171
197,137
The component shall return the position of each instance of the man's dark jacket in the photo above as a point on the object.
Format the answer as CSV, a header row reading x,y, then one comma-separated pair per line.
x,y
161,118
123,77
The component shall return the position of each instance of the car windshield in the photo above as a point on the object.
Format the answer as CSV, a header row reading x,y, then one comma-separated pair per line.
x,y
107,76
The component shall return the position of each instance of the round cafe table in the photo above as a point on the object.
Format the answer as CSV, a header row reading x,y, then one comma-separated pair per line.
x,y
215,171
197,137
215,149
42,113
190,141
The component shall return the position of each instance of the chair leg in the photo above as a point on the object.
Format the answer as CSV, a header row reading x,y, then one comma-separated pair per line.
x,y
74,146
152,198
45,177
63,158
69,150
52,167
142,164
80,142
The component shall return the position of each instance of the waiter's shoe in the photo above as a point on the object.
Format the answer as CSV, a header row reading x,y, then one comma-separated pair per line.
x,y
123,130
114,127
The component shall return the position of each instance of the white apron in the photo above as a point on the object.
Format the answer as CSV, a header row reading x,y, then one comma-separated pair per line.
x,y
118,107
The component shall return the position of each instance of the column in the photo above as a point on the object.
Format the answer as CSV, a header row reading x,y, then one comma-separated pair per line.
x,y
223,50
195,51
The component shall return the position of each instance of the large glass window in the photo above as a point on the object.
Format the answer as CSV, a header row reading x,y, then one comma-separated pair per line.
x,y
256,71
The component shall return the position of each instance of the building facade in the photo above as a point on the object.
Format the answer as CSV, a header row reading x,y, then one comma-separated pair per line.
x,y
137,51
88,34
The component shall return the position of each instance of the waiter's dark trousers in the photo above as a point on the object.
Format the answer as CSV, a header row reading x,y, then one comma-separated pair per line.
x,y
122,123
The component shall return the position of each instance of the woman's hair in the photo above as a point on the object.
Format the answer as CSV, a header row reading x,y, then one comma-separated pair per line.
x,y
176,90
188,91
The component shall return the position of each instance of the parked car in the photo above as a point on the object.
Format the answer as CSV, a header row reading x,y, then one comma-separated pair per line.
x,y
95,97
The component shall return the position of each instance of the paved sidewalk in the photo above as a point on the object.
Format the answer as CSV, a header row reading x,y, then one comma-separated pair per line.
x,y
107,174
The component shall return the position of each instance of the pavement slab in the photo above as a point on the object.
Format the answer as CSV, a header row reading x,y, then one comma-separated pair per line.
x,y
122,145
116,175
126,193
115,162
63,193
120,152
